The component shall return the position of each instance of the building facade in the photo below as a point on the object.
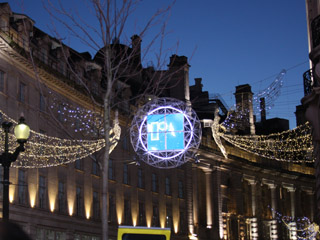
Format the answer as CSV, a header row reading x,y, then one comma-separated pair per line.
x,y
217,198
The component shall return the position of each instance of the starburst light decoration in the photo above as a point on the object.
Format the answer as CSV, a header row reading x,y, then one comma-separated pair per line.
x,y
165,133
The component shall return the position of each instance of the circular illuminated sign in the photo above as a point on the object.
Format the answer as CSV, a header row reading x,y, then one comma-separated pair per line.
x,y
165,133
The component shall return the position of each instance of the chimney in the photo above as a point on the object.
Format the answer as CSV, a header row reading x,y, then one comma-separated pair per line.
x,y
178,61
263,109
136,47
198,85
243,96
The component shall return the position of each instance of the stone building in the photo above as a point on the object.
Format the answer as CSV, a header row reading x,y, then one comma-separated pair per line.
x,y
216,198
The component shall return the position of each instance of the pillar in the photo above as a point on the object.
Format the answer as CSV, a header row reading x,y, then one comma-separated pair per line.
x,y
310,192
292,224
217,202
253,221
208,173
273,204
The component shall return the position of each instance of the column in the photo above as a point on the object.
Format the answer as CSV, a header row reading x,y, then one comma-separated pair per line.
x,y
195,196
273,222
217,202
292,224
189,197
254,235
208,173
310,192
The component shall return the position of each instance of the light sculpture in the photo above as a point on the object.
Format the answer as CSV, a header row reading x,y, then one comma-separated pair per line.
x,y
165,133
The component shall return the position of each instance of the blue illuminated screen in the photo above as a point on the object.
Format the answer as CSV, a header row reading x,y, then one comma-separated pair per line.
x,y
165,132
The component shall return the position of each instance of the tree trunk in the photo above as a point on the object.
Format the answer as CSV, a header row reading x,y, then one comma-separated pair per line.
x,y
105,163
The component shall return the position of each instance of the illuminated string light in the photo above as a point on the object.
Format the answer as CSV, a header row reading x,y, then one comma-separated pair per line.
x,y
79,119
46,151
270,94
305,230
290,146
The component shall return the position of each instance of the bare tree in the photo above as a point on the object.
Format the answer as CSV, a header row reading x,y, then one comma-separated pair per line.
x,y
119,63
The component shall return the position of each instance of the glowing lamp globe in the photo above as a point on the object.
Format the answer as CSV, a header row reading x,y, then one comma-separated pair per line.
x,y
165,133
22,131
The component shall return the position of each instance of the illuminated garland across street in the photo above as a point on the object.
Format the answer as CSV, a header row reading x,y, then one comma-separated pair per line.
x,y
291,146
45,151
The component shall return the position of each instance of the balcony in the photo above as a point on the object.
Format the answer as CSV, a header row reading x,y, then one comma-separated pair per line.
x,y
308,82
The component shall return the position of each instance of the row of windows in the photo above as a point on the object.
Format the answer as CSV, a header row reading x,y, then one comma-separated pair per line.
x,y
79,202
141,180
141,177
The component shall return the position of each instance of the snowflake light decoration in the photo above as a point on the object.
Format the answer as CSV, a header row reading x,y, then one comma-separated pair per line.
x,y
165,133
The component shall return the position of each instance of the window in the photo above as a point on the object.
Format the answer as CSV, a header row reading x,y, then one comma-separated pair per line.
x,y
155,216
127,212
3,25
79,201
22,92
125,174
95,168
140,178
42,103
43,55
95,88
168,186
61,197
142,215
112,209
78,164
2,81
49,234
96,205
42,192
154,186
111,170
62,68
180,189
22,187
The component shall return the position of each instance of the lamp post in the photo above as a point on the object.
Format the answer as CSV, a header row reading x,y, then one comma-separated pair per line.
x,y
21,132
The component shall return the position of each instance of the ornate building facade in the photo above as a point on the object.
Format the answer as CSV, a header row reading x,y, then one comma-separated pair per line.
x,y
237,197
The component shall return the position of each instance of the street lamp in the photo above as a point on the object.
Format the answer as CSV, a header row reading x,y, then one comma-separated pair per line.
x,y
21,132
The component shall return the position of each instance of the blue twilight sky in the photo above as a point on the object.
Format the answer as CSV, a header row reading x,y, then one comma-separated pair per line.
x,y
227,42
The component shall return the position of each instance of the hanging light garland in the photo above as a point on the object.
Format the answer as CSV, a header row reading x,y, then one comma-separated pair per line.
x,y
81,120
42,150
289,146
304,228
270,94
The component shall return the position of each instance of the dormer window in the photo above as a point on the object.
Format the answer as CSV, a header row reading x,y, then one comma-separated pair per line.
x,y
4,25
43,55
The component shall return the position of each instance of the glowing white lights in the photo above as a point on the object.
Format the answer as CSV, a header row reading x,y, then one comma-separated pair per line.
x,y
165,132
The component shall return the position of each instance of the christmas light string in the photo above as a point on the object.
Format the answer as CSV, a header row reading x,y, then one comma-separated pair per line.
x,y
46,151
290,146
305,230
270,94
80,119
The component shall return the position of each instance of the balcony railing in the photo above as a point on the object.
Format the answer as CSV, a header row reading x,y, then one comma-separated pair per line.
x,y
315,29
308,82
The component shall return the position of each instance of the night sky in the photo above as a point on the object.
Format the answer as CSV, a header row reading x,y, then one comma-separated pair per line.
x,y
227,42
